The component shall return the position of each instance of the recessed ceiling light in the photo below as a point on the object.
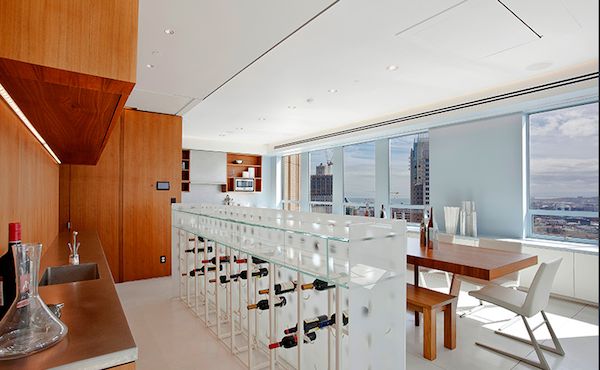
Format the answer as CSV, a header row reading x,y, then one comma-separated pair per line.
x,y
310,100
333,90
291,107
392,67
169,31
151,66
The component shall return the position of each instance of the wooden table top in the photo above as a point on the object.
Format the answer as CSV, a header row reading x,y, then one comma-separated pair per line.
x,y
481,263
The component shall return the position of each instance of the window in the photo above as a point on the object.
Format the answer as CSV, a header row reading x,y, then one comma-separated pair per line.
x,y
321,181
409,177
563,174
291,182
359,179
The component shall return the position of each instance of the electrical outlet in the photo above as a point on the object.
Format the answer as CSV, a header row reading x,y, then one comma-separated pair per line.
x,y
163,259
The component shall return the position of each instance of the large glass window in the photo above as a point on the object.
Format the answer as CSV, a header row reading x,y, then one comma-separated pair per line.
x,y
563,173
409,177
291,182
321,181
359,179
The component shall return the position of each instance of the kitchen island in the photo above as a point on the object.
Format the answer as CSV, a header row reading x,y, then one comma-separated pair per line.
x,y
99,336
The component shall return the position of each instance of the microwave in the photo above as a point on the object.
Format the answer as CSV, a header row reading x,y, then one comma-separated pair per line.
x,y
243,184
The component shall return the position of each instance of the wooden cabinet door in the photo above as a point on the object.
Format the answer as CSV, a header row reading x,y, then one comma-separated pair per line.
x,y
151,153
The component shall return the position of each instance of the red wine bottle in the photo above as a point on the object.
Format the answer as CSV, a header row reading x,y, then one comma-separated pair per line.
x,y
222,259
281,288
264,304
255,260
292,341
256,273
8,284
309,324
317,285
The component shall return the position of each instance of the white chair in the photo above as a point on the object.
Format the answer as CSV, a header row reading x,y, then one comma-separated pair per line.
x,y
526,305
510,281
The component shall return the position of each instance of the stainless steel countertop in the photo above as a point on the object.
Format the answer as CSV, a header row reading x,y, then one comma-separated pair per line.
x,y
99,336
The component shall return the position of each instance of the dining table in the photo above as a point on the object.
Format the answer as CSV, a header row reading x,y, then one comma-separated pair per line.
x,y
481,263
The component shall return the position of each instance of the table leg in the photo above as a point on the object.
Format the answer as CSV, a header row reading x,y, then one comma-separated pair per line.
x,y
416,272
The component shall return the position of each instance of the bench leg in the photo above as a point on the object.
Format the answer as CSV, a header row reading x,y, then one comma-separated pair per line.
x,y
429,334
416,273
450,325
455,286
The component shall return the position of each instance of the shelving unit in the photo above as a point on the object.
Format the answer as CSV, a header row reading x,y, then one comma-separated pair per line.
x,y
364,259
185,170
235,170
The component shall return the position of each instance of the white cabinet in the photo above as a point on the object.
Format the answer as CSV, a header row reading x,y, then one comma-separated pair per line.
x,y
586,277
208,167
564,280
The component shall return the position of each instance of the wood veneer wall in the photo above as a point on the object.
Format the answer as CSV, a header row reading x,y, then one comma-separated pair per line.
x,y
28,183
118,196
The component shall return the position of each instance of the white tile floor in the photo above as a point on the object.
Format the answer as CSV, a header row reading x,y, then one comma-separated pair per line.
x,y
170,337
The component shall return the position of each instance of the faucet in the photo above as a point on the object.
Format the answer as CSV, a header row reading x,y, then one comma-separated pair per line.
x,y
74,248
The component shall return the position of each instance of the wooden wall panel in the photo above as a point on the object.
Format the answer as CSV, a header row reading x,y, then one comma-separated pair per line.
x,y
152,152
95,37
29,183
92,197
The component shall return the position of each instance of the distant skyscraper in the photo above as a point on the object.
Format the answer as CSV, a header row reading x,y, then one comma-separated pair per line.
x,y
419,174
321,184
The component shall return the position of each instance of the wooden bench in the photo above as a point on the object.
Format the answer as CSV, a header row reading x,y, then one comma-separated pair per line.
x,y
430,302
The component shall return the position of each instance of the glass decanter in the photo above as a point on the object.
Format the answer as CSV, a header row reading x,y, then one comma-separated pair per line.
x,y
28,326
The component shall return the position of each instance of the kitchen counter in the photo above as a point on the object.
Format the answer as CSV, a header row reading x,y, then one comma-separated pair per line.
x,y
99,336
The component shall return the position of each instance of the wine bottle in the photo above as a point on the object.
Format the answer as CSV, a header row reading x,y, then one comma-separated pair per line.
x,y
281,288
422,236
200,250
430,229
344,319
256,273
264,304
317,285
223,279
290,341
200,271
308,324
255,260
222,259
8,284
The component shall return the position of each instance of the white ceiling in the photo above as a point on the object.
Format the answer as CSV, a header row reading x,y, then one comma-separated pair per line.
x,y
444,50
212,41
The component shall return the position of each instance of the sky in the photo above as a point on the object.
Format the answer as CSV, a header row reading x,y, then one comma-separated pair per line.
x,y
564,152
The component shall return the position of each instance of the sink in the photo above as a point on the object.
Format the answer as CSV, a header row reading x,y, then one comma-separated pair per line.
x,y
69,274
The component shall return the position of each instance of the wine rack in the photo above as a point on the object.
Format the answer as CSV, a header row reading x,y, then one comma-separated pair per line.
x,y
358,263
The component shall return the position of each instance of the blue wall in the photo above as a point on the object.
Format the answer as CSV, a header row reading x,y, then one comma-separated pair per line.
x,y
480,161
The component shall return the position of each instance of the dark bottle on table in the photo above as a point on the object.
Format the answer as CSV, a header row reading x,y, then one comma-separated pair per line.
x,y
290,341
264,304
8,284
317,285
430,229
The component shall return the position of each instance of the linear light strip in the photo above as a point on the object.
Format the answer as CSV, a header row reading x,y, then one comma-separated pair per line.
x,y
11,103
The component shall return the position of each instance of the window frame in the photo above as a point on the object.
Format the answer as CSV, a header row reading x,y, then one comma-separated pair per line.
x,y
530,213
400,205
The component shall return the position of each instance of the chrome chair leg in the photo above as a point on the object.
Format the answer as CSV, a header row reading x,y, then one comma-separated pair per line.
x,y
542,364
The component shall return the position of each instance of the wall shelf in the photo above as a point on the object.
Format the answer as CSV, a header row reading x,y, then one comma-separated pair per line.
x,y
185,170
235,170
